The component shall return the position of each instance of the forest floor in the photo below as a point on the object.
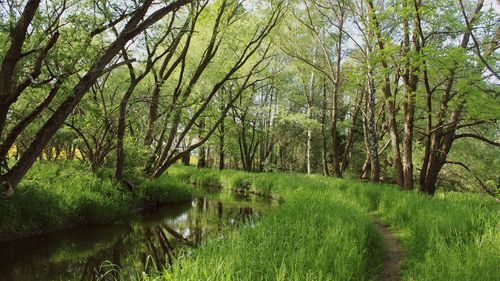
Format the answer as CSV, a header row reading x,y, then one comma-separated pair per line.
x,y
392,264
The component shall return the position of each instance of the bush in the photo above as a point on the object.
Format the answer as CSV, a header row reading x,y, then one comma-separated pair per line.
x,y
163,190
206,178
58,195
241,183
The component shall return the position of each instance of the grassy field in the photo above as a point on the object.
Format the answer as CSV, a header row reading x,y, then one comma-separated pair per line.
x,y
324,232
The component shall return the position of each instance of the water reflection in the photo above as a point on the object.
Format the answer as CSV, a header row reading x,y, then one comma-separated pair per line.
x,y
152,240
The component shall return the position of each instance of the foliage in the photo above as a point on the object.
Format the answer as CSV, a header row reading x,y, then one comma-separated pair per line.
x,y
164,190
263,186
55,196
241,182
438,234
290,244
66,194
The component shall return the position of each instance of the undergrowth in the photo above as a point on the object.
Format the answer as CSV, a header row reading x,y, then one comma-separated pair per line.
x,y
61,195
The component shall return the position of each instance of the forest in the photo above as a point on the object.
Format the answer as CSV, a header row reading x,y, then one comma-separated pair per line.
x,y
249,140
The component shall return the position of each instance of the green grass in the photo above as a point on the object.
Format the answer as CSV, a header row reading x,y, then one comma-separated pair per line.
x,y
241,182
61,195
206,178
292,244
322,231
164,190
451,236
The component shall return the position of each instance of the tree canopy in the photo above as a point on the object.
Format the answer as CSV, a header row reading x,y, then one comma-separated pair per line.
x,y
405,92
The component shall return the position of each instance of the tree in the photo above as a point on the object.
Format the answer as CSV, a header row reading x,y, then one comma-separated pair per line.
x,y
10,90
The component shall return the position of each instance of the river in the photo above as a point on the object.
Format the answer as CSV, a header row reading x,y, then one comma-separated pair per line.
x,y
149,241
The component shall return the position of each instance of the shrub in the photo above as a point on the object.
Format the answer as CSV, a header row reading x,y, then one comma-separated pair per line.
x,y
58,195
163,190
241,183
211,180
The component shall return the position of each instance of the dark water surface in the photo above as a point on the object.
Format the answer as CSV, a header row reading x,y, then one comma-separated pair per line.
x,y
152,238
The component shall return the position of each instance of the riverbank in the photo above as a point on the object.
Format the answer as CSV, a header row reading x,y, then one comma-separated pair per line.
x,y
324,231
56,196
148,240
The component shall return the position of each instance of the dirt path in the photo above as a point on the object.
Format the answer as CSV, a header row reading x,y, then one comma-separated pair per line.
x,y
391,267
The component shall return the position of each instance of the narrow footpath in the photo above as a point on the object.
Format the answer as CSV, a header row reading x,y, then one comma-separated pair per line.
x,y
391,267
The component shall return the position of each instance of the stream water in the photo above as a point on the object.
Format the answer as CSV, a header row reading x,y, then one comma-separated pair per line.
x,y
149,241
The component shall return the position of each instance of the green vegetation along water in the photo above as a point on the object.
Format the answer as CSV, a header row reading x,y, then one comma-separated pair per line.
x,y
146,243
324,231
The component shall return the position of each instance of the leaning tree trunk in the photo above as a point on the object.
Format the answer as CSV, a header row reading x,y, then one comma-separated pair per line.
x,y
131,29
120,135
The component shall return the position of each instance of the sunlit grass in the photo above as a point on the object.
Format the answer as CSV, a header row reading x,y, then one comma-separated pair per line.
x,y
314,236
452,236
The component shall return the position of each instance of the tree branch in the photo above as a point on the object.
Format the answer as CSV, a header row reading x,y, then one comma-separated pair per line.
x,y
475,136
481,183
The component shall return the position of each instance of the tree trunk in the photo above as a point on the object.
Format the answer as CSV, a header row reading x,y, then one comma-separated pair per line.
x,y
186,159
324,153
153,116
440,140
202,161
222,164
365,170
120,135
308,143
389,99
371,131
410,88
350,138
336,91
12,57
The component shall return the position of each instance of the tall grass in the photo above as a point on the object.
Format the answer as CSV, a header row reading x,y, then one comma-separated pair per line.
x,y
314,236
451,236
60,195
164,190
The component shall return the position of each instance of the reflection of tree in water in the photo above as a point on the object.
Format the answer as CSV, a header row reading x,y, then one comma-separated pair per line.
x,y
95,269
246,214
166,241
162,241
91,270
148,244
